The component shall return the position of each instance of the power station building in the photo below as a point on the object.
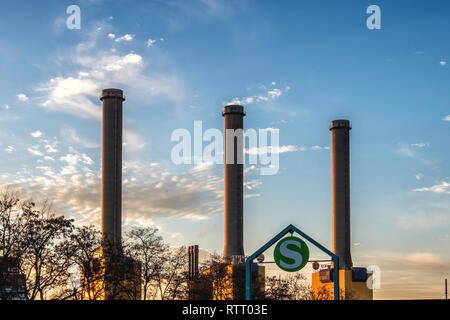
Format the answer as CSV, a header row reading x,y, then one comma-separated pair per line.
x,y
110,275
227,278
352,281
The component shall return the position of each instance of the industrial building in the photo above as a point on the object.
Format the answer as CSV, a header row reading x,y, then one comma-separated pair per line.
x,y
111,275
352,281
227,279
12,281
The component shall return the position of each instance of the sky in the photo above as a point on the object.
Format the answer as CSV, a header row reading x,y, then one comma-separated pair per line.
x,y
294,67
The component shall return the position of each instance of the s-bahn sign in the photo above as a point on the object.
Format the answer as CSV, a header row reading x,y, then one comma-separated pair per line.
x,y
291,254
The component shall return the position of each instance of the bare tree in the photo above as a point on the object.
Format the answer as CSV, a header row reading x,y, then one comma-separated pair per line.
x,y
171,280
43,262
12,228
144,245
290,287
81,250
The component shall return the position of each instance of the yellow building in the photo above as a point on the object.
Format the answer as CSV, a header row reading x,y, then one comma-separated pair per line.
x,y
352,284
111,280
224,281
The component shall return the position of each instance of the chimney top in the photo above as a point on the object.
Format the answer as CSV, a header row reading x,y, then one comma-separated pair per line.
x,y
112,93
233,108
335,124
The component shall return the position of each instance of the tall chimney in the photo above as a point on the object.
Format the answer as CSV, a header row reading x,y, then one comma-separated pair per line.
x,y
112,172
340,132
234,181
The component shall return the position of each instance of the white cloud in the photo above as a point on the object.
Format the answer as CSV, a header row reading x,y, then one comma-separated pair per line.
x,y
9,149
34,151
270,149
22,97
248,100
442,188
419,176
71,95
50,148
132,141
73,137
443,63
126,37
275,93
405,151
267,96
69,170
36,134
148,190
94,69
447,118
419,145
234,101
6,106
120,63
150,42
73,159
111,35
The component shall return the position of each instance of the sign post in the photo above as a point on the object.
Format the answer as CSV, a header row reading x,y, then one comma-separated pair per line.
x,y
291,254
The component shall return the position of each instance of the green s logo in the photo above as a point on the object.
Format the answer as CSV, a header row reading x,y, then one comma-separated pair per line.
x,y
291,254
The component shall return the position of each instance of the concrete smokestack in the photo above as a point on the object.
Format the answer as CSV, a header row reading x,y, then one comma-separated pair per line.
x,y
340,132
112,172
234,183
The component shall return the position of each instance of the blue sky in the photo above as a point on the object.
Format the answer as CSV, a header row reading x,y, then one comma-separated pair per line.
x,y
303,64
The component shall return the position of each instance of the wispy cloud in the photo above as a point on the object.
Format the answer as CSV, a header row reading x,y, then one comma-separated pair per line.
x,y
150,42
73,137
9,149
132,141
442,188
269,149
34,151
126,37
447,118
74,95
408,150
268,95
22,97
317,148
36,134
148,190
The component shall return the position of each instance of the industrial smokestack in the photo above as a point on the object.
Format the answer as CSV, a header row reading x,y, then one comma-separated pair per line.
x,y
340,132
112,172
234,183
